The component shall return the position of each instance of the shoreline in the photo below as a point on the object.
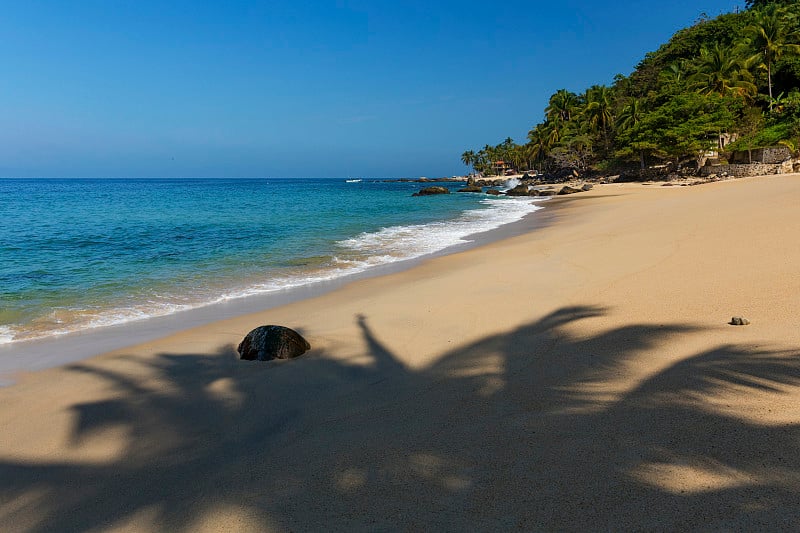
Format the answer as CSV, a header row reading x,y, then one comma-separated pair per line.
x,y
42,353
580,376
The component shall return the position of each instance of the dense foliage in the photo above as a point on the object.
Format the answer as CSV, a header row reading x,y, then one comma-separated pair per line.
x,y
736,76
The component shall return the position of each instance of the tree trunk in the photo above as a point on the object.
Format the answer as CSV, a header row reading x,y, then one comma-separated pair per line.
x,y
641,158
769,82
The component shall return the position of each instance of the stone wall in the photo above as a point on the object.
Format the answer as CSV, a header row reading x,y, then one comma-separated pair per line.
x,y
653,173
661,173
770,156
743,171
776,155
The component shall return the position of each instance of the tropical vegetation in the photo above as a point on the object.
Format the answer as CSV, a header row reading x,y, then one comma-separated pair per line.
x,y
736,76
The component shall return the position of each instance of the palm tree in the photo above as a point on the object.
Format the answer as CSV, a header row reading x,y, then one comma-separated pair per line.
x,y
531,153
675,73
506,149
599,110
561,106
630,116
517,156
481,161
772,35
491,155
539,142
722,71
468,158
551,133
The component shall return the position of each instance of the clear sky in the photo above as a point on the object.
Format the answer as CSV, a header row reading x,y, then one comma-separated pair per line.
x,y
291,88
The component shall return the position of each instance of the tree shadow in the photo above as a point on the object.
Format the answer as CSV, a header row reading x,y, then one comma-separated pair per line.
x,y
519,430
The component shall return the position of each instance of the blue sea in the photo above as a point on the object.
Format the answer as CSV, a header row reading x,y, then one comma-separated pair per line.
x,y
79,254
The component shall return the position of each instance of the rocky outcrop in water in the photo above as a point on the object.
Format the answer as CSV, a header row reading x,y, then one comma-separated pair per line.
x,y
430,191
519,190
499,182
266,343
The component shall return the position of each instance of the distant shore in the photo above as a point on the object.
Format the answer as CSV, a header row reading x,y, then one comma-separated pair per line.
x,y
579,376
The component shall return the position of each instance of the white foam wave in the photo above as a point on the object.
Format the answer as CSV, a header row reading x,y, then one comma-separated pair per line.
x,y
396,243
6,334
65,321
407,242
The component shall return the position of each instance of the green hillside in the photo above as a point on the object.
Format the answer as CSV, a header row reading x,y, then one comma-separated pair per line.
x,y
736,76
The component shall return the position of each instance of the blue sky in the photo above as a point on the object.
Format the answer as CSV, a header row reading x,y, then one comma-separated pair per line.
x,y
291,88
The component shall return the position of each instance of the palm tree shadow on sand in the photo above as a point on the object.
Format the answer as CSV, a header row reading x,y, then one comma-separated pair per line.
x,y
511,431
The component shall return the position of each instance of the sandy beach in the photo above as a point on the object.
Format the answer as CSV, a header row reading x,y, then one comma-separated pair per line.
x,y
582,376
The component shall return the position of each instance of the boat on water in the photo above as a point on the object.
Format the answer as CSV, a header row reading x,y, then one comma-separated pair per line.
x,y
352,181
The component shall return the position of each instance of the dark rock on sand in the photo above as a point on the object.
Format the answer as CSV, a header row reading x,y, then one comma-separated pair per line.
x,y
543,192
272,342
566,189
587,187
739,321
429,191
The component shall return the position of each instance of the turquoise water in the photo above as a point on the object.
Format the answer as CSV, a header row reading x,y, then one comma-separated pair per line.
x,y
80,254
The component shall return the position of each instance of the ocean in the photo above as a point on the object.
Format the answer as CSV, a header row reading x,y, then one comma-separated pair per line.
x,y
81,254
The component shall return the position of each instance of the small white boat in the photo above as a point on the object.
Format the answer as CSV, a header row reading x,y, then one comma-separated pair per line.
x,y
352,181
